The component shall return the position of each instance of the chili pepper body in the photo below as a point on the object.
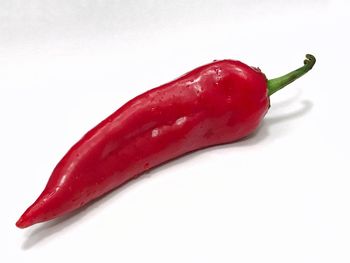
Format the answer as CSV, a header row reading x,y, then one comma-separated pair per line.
x,y
217,103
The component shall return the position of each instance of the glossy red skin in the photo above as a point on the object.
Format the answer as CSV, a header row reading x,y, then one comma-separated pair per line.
x,y
216,103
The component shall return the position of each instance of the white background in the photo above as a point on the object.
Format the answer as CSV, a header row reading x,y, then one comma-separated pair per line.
x,y
283,195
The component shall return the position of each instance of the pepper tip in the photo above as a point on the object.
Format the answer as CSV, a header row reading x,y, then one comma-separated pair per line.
x,y
25,220
21,223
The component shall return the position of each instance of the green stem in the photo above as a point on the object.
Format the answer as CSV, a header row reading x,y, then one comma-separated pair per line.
x,y
276,84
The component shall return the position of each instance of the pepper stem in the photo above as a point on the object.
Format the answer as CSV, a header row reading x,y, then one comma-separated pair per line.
x,y
276,84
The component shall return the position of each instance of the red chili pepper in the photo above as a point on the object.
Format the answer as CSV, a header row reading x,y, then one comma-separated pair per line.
x,y
217,103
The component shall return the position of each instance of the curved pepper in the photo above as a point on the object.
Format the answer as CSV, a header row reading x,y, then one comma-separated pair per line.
x,y
217,103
